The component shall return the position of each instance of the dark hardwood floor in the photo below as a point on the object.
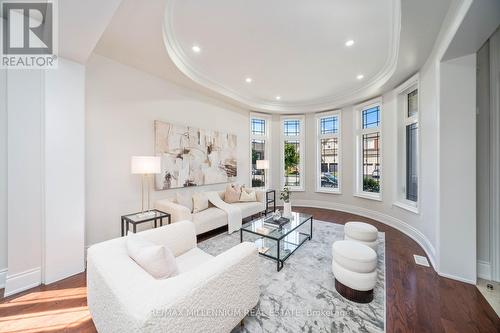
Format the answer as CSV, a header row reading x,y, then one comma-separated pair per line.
x,y
418,300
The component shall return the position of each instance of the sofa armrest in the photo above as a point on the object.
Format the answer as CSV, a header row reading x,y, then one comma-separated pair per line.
x,y
176,211
226,284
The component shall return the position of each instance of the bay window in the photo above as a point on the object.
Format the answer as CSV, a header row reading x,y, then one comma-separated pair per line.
x,y
292,152
369,150
328,152
408,147
259,144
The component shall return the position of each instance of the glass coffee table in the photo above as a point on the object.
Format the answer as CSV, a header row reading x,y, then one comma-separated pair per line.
x,y
279,243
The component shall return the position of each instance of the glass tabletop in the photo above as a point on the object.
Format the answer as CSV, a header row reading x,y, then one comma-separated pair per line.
x,y
269,230
149,215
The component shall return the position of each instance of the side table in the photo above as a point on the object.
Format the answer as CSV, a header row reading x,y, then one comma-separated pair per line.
x,y
138,218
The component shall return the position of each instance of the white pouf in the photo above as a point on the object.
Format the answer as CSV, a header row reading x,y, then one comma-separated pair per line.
x,y
361,232
354,267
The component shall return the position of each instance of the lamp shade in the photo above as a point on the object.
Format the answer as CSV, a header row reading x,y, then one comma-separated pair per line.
x,y
145,165
262,164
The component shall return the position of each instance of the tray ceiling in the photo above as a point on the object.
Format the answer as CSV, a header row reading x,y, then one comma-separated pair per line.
x,y
285,55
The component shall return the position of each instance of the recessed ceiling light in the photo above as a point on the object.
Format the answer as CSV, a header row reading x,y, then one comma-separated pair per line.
x,y
278,98
248,80
196,49
360,77
350,42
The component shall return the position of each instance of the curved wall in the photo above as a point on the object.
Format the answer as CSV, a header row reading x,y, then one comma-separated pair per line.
x,y
421,227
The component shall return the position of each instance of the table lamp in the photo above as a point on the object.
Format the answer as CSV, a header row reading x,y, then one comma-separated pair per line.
x,y
263,165
145,166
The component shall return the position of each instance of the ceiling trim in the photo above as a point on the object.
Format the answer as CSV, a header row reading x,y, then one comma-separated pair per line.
x,y
180,59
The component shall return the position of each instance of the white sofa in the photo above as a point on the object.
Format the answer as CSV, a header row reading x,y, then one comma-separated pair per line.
x,y
122,297
213,217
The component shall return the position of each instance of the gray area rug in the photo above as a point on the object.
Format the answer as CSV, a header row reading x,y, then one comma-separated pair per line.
x,y
302,296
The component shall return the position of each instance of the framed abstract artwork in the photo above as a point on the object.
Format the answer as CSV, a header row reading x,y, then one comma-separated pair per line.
x,y
193,157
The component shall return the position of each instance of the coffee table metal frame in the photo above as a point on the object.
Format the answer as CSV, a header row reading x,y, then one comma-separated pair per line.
x,y
280,261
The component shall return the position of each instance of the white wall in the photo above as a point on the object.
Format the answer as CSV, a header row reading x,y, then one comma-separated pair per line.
x,y
121,106
45,221
458,168
25,180
3,176
483,162
64,171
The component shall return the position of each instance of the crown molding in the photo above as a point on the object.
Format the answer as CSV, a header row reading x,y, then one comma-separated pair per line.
x,y
371,87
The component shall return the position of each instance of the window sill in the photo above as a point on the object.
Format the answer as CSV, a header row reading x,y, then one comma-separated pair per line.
x,y
328,191
376,197
406,206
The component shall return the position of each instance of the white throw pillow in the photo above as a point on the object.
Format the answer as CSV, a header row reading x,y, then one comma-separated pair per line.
x,y
248,196
186,200
200,202
157,260
233,193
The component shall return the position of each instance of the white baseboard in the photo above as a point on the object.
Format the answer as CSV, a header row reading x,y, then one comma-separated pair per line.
x,y
405,228
453,277
3,276
484,270
18,282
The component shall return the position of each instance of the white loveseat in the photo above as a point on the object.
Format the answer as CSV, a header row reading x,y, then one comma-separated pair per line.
x,y
213,217
210,294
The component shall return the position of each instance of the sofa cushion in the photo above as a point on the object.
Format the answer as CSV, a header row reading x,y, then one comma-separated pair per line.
x,y
248,196
200,202
192,259
185,199
250,208
233,193
157,260
209,219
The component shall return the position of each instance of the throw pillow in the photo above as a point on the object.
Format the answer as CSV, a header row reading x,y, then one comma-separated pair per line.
x,y
200,202
248,196
232,194
186,200
157,260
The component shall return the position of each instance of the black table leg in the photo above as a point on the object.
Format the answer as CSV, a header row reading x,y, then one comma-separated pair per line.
x,y
123,227
278,261
155,223
135,228
127,227
241,236
310,236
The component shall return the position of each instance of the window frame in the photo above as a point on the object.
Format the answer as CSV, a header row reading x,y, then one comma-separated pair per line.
x,y
401,163
301,139
267,145
358,156
319,137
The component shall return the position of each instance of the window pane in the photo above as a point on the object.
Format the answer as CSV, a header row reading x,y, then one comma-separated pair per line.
x,y
258,127
292,127
413,103
292,163
328,125
371,117
411,162
371,162
258,153
329,150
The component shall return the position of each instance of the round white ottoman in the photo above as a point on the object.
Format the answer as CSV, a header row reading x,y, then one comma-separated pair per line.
x,y
354,267
361,232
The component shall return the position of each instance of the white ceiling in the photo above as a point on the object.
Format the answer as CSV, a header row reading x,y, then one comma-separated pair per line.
x,y
289,48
